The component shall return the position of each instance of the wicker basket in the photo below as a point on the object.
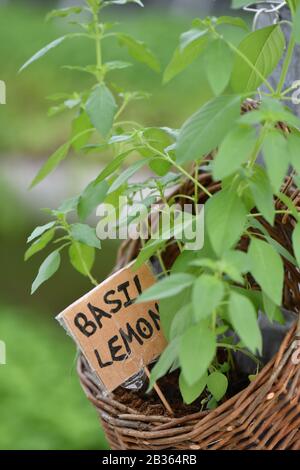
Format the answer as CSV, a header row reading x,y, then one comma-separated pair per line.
x,y
265,415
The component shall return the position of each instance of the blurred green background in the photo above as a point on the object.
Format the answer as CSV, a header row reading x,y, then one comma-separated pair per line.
x,y
41,403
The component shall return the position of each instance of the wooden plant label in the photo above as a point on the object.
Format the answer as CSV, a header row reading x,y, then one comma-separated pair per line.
x,y
117,336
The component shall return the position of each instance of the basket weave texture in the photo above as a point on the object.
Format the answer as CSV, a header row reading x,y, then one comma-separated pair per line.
x,y
263,416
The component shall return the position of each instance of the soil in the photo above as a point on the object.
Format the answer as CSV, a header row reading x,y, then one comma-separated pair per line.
x,y
150,404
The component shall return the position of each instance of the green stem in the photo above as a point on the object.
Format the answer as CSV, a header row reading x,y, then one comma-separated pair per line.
x,y
196,188
98,46
286,65
121,109
248,62
259,143
259,214
179,168
88,273
161,262
168,203
287,90
181,196
236,348
127,123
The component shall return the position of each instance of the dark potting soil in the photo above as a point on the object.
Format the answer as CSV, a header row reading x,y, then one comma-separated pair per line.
x,y
150,404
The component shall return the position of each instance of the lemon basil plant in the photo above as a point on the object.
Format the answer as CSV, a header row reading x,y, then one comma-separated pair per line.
x,y
208,309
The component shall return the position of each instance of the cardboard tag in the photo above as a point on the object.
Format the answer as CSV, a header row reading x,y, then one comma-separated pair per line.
x,y
117,336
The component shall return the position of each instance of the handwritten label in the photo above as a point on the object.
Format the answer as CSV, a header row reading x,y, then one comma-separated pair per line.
x,y
117,336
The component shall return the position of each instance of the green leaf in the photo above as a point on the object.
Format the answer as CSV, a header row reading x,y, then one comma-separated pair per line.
x,y
262,194
38,231
234,21
42,52
218,65
192,45
276,158
39,244
112,166
80,123
269,307
170,285
63,12
197,342
238,259
267,269
254,296
82,257
235,150
164,363
243,317
47,269
289,204
208,292
117,65
85,234
217,384
204,131
226,216
183,261
101,108
264,49
69,205
293,143
170,307
160,166
277,246
191,37
150,249
191,392
127,174
181,321
296,242
93,195
139,51
52,162
55,159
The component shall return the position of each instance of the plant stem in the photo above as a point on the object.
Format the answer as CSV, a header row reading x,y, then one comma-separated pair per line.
x,y
180,169
236,348
196,188
162,264
88,273
98,45
259,214
121,109
259,143
248,62
286,65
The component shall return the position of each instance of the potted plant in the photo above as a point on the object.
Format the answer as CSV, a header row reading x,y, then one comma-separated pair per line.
x,y
213,301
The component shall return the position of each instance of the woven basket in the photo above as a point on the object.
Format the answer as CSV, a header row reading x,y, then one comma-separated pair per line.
x,y
265,415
